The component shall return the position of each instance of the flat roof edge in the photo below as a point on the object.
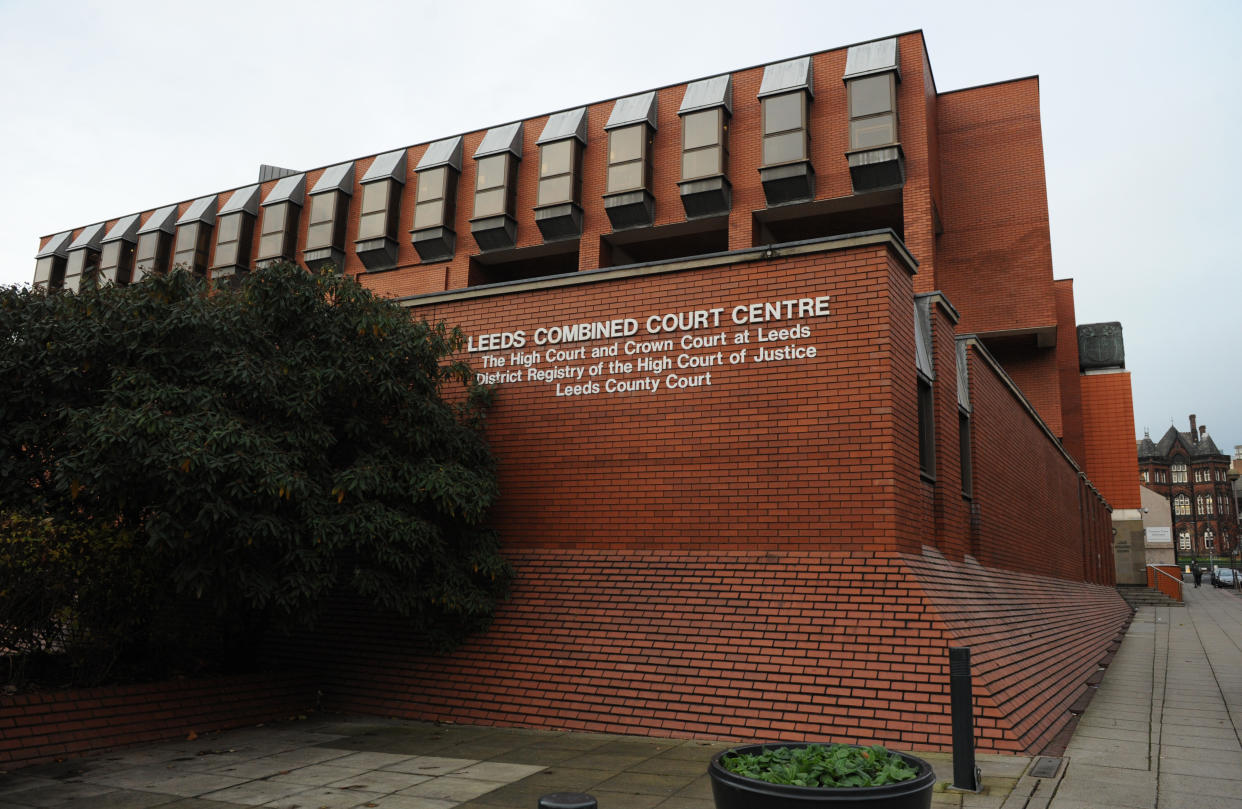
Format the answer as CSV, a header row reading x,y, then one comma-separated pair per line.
x,y
809,246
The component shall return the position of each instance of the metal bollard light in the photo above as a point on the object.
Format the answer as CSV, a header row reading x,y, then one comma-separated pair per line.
x,y
966,776
567,800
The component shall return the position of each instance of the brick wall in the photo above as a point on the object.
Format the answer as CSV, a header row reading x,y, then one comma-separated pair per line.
x,y
760,558
60,724
779,453
1028,495
1108,424
741,644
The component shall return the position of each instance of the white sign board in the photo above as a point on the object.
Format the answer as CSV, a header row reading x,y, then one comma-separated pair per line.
x,y
1158,535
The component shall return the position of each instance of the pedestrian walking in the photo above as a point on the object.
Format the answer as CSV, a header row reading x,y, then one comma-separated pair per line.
x,y
1196,571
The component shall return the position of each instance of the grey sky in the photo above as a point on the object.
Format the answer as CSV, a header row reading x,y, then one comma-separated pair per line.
x,y
109,108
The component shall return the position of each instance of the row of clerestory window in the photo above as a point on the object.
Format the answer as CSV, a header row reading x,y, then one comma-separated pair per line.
x,y
127,252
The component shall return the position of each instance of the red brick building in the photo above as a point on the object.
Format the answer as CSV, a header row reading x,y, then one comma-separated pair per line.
x,y
1189,470
788,402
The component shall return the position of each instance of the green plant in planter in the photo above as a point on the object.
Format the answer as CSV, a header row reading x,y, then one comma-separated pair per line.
x,y
818,765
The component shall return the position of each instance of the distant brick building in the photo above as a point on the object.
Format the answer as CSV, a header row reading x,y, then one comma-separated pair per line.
x,y
788,402
1189,470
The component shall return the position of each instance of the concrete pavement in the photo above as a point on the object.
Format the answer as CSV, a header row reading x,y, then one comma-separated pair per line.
x,y
1163,730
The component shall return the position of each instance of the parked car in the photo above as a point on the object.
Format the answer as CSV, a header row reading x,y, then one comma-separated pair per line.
x,y
1224,577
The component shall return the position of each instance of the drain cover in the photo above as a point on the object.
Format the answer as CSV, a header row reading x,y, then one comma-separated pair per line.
x,y
1045,767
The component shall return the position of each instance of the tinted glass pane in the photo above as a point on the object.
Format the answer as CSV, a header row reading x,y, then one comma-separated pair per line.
x,y
319,235
43,269
626,144
871,95
148,243
626,177
556,158
876,131
373,225
226,254
700,129
187,235
428,214
274,218
375,197
431,184
228,227
76,264
111,255
700,163
271,245
491,172
783,148
782,113
489,203
556,189
322,207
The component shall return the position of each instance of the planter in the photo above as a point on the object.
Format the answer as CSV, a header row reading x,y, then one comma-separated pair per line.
x,y
733,791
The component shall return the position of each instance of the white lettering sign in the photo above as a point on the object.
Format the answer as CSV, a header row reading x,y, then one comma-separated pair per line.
x,y
660,352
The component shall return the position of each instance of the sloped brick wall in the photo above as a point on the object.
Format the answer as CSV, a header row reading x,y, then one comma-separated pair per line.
x,y
737,644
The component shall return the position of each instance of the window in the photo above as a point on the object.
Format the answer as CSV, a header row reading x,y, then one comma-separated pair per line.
x,y
152,253
1198,476
784,128
1181,505
278,236
81,269
927,434
873,111
327,228
374,221
328,217
1179,472
434,234
190,249
1209,539
703,144
437,189
379,211
629,165
1204,503
282,212
1143,476
1183,540
194,235
155,242
963,438
559,172
492,185
116,262
228,240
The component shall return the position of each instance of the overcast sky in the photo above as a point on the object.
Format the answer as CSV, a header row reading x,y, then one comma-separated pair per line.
x,y
109,108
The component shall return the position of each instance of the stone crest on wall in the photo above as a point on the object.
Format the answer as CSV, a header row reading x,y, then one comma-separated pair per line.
x,y
1100,346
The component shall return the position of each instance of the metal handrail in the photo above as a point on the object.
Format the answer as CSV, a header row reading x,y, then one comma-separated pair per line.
x,y
1168,575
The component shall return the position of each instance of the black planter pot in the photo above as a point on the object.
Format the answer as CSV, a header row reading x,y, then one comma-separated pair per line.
x,y
733,791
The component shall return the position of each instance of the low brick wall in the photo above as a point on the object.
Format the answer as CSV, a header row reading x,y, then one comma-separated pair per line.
x,y
45,726
742,645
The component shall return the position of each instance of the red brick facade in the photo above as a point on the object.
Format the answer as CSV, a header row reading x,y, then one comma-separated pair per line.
x,y
710,545
44,726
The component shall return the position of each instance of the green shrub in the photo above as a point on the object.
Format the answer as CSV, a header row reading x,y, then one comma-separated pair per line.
x,y
817,765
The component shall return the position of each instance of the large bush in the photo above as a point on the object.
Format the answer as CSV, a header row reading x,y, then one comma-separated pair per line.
x,y
264,446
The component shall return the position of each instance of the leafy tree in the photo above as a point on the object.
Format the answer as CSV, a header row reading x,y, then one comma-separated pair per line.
x,y
268,444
